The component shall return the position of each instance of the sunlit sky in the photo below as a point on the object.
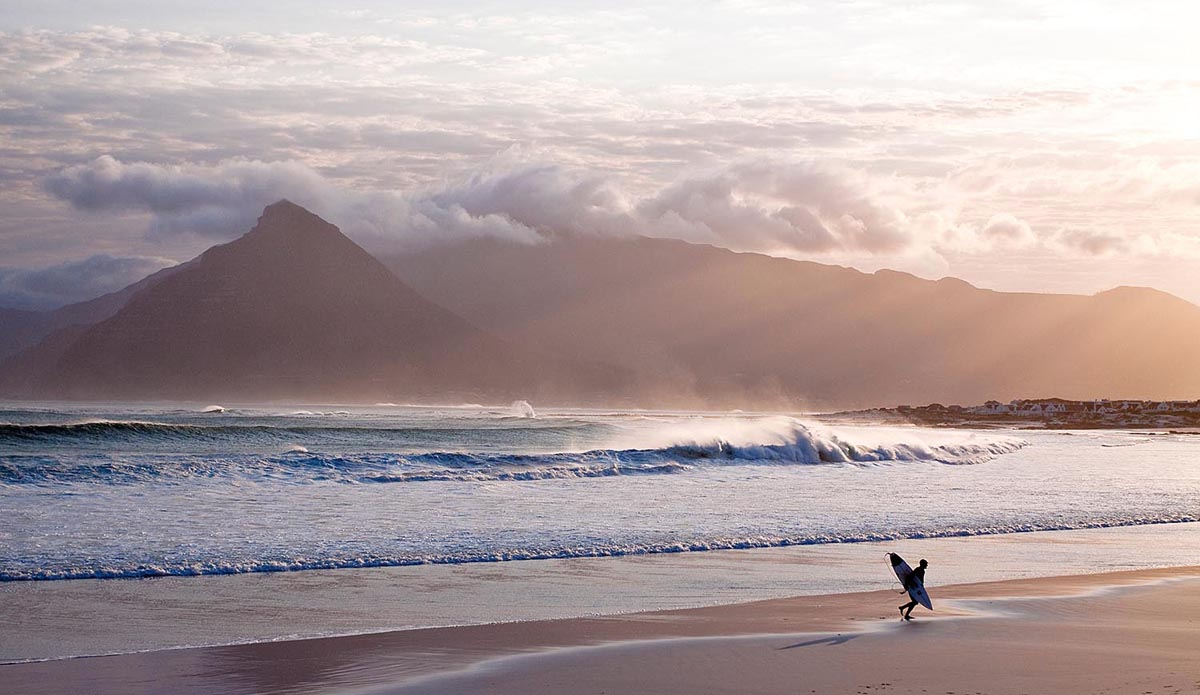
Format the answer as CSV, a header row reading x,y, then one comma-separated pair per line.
x,y
1034,146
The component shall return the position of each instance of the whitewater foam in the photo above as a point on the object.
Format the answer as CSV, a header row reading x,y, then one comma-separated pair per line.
x,y
307,562
783,441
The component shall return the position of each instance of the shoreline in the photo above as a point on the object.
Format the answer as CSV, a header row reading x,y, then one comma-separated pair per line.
x,y
93,617
1134,632
439,657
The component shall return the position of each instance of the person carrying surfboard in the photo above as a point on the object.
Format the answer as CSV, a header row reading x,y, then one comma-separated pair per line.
x,y
915,579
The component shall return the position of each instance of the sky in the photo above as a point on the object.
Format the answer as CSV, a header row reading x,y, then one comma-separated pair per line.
x,y
1021,146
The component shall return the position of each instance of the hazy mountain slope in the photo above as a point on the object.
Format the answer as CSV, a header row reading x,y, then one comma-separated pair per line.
x,y
724,328
21,329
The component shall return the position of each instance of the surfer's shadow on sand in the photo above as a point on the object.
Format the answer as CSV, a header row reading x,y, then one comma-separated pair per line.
x,y
844,637
828,641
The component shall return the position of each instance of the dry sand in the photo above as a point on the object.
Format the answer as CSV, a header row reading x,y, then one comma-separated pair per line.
x,y
1132,632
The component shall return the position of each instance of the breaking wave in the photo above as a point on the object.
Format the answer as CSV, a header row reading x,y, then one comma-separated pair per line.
x,y
127,431
776,442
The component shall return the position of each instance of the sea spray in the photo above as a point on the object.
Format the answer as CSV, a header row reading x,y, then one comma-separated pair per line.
x,y
769,441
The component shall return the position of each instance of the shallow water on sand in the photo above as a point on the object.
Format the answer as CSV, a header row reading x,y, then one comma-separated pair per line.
x,y
86,617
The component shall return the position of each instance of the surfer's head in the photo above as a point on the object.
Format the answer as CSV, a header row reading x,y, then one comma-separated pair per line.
x,y
924,563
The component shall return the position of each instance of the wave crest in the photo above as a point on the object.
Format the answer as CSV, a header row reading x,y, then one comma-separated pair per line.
x,y
776,442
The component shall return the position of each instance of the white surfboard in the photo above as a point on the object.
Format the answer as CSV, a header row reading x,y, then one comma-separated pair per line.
x,y
917,590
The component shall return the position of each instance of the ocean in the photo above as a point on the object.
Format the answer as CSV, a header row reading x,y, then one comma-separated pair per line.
x,y
352,519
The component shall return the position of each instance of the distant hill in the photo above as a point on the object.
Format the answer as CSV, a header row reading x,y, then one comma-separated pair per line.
x,y
706,326
22,329
293,309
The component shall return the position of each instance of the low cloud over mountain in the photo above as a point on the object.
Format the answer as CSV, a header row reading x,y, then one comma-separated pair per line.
x,y
66,283
781,207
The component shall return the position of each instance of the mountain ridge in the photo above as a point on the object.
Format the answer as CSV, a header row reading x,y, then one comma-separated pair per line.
x,y
596,321
747,327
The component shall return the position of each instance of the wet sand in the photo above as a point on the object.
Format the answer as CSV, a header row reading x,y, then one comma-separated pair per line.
x,y
1128,632
55,619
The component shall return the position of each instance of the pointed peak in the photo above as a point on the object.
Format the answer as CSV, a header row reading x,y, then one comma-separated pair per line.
x,y
284,209
285,228
282,204
287,219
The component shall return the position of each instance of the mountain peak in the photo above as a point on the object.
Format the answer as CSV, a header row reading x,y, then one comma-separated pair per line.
x,y
286,217
283,207
289,236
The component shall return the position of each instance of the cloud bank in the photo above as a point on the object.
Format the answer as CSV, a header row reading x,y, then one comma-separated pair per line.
x,y
751,126
47,288
803,209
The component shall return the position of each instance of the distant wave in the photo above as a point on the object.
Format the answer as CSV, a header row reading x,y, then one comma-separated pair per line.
x,y
799,445
117,570
133,429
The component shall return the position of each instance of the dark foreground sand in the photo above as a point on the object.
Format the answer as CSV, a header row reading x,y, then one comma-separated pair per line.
x,y
1134,632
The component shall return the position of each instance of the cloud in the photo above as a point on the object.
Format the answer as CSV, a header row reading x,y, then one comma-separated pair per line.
x,y
1090,242
802,207
773,138
46,288
200,131
811,209
106,184
114,53
805,207
222,200
201,200
1005,230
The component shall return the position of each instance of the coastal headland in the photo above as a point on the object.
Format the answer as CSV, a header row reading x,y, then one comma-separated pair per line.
x,y
1042,413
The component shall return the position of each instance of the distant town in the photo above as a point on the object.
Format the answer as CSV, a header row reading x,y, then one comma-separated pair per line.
x,y
1050,413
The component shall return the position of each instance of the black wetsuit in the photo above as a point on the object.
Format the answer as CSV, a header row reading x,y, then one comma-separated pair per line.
x,y
918,575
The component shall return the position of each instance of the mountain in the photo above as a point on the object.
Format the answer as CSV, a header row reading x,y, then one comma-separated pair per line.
x,y
706,326
21,329
293,309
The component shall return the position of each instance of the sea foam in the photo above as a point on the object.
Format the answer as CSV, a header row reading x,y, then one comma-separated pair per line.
x,y
688,446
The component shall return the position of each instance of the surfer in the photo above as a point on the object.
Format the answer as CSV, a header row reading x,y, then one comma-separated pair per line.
x,y
916,578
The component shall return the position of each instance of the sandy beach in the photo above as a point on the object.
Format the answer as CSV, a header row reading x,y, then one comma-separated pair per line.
x,y
1125,632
